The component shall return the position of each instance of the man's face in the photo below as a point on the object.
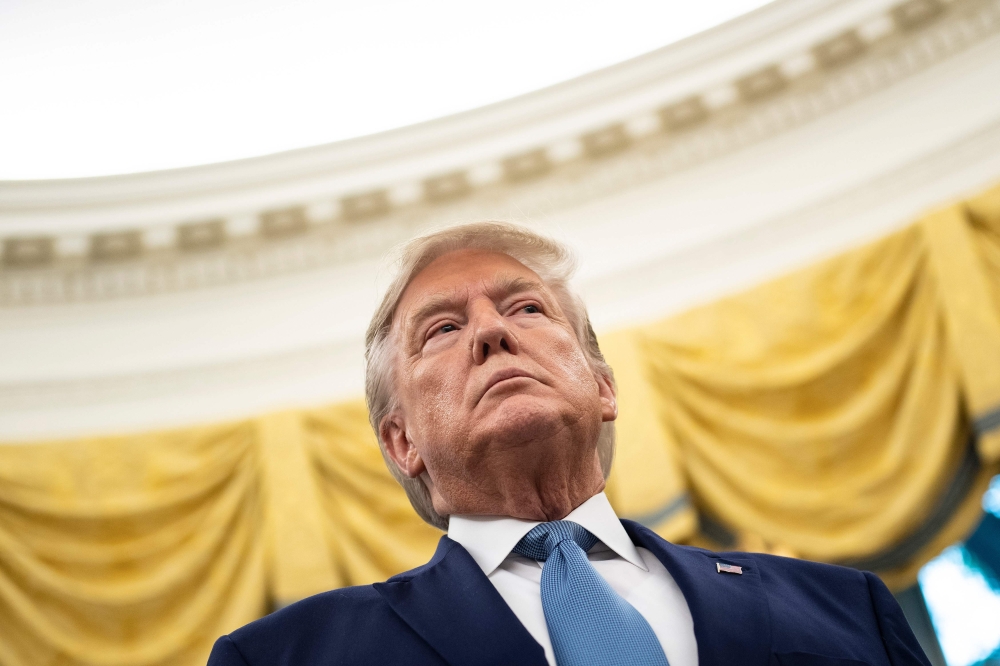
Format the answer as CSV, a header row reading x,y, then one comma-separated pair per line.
x,y
491,379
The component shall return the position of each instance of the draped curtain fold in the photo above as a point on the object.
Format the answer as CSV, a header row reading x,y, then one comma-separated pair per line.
x,y
820,415
984,219
128,550
370,528
849,412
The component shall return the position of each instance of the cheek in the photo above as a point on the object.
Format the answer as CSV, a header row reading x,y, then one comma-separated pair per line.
x,y
436,423
433,396
567,356
557,350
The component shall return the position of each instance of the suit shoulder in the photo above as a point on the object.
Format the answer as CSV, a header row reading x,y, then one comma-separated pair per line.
x,y
772,565
445,545
324,623
317,607
813,603
795,566
789,578
828,580
812,607
765,564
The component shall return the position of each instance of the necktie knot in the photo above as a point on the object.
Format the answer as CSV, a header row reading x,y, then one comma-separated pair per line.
x,y
589,623
539,543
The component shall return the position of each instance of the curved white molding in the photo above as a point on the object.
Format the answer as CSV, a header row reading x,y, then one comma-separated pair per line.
x,y
741,83
710,59
836,157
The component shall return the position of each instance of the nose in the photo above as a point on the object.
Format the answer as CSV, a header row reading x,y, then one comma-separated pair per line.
x,y
492,334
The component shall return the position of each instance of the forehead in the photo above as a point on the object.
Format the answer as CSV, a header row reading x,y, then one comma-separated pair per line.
x,y
461,271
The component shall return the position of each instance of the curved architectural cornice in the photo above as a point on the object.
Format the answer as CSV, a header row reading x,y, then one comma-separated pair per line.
x,y
217,292
698,100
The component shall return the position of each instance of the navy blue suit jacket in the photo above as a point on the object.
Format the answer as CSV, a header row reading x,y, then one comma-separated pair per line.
x,y
780,612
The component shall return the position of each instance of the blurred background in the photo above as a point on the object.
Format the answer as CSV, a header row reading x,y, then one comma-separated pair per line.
x,y
787,216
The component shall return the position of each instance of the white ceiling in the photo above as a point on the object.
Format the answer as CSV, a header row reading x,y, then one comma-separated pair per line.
x,y
840,156
118,86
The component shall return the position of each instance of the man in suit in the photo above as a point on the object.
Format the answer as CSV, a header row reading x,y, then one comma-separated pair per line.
x,y
494,409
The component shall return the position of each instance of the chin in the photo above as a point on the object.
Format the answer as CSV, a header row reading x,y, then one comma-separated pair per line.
x,y
523,417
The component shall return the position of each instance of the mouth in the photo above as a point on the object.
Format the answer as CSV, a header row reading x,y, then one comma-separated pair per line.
x,y
502,376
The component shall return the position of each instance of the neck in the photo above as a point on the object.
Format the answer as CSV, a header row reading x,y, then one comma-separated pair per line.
x,y
548,490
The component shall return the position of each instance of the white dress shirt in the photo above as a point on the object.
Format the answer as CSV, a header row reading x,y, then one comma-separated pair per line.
x,y
632,572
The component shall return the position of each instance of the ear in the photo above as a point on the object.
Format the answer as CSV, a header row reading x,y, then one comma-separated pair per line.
x,y
398,446
609,398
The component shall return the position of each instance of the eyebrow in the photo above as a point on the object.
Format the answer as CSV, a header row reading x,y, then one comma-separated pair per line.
x,y
437,303
501,287
505,285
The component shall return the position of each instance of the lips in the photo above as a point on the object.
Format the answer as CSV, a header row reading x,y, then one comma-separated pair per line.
x,y
502,375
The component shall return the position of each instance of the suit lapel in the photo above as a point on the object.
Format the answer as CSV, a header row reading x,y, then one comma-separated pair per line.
x,y
452,605
731,620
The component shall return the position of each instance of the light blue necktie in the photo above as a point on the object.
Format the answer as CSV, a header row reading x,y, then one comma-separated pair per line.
x,y
589,623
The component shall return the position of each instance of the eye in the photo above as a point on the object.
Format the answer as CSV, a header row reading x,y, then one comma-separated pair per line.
x,y
531,309
447,328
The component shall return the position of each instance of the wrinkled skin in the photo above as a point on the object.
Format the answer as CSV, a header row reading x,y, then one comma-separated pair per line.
x,y
499,411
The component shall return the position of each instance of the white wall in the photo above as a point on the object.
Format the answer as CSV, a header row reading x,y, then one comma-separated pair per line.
x,y
838,157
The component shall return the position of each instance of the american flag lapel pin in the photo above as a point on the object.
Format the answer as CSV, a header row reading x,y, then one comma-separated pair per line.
x,y
728,568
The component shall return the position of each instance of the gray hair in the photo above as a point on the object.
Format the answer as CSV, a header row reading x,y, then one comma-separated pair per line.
x,y
551,261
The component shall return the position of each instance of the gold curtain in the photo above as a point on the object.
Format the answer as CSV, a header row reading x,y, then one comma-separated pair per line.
x,y
821,414
846,413
144,549
128,550
370,528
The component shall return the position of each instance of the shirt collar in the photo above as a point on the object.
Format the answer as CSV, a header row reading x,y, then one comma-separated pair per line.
x,y
489,539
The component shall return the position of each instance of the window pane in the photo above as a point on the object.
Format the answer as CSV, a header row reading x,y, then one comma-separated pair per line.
x,y
963,595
